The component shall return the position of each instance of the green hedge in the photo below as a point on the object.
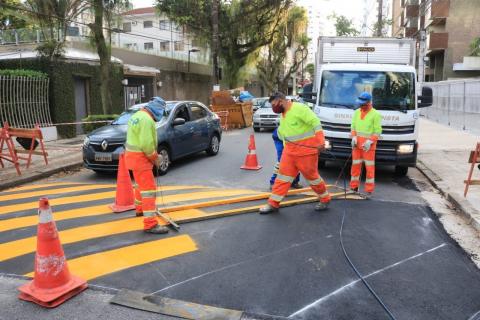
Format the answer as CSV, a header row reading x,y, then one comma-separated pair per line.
x,y
89,127
62,87
23,73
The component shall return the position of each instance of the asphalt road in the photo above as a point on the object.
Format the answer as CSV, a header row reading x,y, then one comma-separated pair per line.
x,y
288,264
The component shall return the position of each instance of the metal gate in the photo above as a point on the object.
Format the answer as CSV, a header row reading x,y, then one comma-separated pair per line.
x,y
133,95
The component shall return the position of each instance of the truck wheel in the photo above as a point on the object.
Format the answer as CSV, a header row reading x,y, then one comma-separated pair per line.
x,y
401,171
322,164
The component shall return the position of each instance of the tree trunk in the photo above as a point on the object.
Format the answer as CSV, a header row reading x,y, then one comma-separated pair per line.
x,y
104,54
215,41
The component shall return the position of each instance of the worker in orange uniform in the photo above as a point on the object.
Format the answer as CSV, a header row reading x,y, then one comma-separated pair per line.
x,y
366,130
140,157
302,134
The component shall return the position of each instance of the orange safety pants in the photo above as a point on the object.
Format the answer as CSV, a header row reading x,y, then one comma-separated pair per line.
x,y
358,158
290,165
145,187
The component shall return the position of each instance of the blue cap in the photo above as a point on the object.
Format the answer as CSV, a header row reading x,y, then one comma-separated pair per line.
x,y
156,106
363,99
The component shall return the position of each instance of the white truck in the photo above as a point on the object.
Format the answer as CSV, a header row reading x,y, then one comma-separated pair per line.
x,y
385,67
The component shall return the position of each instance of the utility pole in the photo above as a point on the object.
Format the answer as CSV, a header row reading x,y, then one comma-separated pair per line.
x,y
379,19
421,56
215,41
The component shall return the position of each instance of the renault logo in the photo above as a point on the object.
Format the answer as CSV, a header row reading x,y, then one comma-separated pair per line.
x,y
104,145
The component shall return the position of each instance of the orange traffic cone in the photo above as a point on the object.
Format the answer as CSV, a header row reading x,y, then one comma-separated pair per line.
x,y
124,198
251,162
52,284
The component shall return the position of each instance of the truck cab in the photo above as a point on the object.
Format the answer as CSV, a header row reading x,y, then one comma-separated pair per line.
x,y
393,87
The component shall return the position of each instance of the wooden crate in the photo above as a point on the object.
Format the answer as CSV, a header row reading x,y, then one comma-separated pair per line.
x,y
239,114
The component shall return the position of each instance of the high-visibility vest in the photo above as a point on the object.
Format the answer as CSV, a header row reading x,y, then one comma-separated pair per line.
x,y
142,134
301,130
367,124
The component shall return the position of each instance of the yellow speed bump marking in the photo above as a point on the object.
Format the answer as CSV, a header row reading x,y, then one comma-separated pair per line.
x,y
78,199
107,262
53,191
38,186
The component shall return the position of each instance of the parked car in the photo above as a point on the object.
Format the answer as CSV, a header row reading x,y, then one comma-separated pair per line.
x,y
187,127
258,102
265,118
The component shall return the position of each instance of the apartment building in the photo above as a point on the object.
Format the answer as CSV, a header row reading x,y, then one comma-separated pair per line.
x,y
449,27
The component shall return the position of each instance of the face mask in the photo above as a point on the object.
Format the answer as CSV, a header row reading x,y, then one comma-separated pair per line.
x,y
278,108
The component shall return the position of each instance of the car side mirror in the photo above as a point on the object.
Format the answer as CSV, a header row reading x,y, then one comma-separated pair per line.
x,y
178,122
426,99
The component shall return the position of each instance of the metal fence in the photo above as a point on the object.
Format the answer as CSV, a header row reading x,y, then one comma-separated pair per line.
x,y
24,101
456,103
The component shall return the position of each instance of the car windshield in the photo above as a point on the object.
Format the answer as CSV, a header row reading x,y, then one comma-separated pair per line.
x,y
266,104
390,90
125,116
259,101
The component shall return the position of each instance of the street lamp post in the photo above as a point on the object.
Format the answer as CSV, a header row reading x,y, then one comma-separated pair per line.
x,y
191,50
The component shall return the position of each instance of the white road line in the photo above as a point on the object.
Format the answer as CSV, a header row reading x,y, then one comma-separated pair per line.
x,y
313,304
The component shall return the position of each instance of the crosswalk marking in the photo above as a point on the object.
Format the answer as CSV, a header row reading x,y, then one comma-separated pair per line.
x,y
45,185
77,199
48,192
103,263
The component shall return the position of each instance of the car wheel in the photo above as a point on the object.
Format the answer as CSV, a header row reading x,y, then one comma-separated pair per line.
x,y
256,129
164,155
401,171
214,146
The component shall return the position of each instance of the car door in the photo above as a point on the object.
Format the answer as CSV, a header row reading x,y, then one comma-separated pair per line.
x,y
201,137
182,135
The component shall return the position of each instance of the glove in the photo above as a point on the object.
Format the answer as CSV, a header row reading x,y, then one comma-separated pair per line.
x,y
354,142
367,145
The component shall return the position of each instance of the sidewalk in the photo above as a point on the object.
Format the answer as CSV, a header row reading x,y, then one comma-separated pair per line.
x,y
443,158
62,155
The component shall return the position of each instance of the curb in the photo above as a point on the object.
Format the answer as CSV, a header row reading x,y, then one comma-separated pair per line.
x,y
460,203
40,175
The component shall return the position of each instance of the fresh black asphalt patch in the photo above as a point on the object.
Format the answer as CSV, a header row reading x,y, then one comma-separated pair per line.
x,y
291,264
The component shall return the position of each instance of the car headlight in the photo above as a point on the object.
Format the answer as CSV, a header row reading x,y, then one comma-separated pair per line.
x,y
86,142
405,148
328,145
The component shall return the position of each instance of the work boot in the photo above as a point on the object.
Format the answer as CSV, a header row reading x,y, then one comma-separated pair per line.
x,y
321,206
297,185
268,209
158,229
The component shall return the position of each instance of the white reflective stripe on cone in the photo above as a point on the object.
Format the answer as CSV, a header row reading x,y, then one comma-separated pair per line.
x,y
45,216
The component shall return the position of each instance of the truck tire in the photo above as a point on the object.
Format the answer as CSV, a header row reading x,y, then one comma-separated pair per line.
x,y
401,171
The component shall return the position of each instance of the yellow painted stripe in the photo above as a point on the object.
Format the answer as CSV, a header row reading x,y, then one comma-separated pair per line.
x,y
22,222
77,199
103,263
53,191
38,186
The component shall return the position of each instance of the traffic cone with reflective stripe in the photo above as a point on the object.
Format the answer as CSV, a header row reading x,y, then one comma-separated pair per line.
x,y
251,162
52,283
124,198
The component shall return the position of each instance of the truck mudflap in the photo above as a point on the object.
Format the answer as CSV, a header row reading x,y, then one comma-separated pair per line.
x,y
387,152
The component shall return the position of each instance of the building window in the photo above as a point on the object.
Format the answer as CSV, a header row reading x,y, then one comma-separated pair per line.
x,y
147,24
148,45
127,27
164,25
130,45
177,27
179,46
165,46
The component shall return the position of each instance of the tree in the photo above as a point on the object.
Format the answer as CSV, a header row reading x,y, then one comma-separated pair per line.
x,y
379,28
343,26
243,26
103,15
53,18
475,47
310,68
273,68
11,18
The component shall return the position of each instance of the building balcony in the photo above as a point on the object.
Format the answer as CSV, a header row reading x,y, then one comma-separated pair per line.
x,y
436,12
437,41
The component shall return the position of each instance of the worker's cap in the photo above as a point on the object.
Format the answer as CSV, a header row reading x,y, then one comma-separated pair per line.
x,y
156,106
363,99
277,95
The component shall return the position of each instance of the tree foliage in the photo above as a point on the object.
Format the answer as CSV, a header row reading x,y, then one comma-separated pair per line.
x,y
475,47
280,59
343,26
11,18
310,68
380,28
244,26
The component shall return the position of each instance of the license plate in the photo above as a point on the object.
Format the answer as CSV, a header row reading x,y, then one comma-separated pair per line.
x,y
103,156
